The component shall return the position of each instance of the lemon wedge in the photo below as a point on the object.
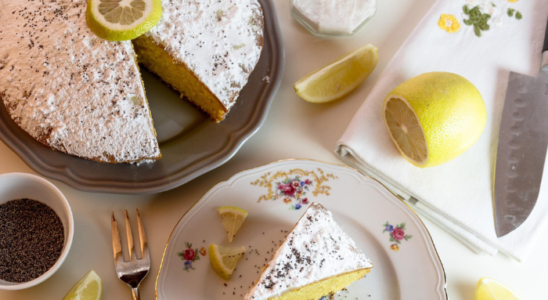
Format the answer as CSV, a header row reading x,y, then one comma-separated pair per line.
x,y
434,117
490,289
90,287
224,259
121,20
338,78
232,218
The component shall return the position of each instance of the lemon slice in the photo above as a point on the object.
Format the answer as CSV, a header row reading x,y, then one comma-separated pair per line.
x,y
434,117
490,289
224,259
90,287
338,78
121,20
232,218
405,130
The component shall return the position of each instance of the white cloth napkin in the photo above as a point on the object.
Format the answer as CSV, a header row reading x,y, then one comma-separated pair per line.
x,y
456,195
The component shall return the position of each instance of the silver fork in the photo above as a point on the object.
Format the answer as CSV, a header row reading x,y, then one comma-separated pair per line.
x,y
131,272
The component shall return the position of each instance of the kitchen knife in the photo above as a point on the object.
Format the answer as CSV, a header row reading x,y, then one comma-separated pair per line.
x,y
521,152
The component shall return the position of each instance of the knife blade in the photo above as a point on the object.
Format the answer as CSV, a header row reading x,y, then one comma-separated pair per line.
x,y
521,151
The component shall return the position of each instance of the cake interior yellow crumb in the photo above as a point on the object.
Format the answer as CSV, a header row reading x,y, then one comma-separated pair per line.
x,y
324,287
176,74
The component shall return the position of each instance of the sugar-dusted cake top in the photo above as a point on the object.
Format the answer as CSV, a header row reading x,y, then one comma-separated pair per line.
x,y
220,41
70,89
317,248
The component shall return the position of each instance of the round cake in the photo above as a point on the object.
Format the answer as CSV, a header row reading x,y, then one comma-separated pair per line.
x,y
79,94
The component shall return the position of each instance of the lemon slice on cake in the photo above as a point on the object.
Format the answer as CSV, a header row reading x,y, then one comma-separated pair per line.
x,y
434,117
232,218
121,20
490,289
90,287
338,78
224,259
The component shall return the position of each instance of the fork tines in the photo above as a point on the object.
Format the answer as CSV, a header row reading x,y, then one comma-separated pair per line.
x,y
116,244
131,272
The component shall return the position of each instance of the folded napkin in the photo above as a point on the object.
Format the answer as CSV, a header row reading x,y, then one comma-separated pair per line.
x,y
457,195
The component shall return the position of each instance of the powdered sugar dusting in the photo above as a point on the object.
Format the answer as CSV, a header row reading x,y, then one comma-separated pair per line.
x,y
70,89
316,249
220,41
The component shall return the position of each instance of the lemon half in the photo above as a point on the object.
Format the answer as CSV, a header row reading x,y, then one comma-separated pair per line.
x,y
338,78
90,287
232,218
224,259
490,289
121,20
434,117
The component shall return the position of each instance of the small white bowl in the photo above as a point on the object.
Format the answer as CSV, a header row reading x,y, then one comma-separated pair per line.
x,y
21,185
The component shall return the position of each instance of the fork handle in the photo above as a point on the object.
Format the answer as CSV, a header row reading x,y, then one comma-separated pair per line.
x,y
135,293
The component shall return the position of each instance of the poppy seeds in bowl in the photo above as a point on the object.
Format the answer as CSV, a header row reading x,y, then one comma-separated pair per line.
x,y
31,239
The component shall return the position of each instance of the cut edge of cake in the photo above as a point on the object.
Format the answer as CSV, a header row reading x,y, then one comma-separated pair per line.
x,y
207,52
145,99
179,77
323,288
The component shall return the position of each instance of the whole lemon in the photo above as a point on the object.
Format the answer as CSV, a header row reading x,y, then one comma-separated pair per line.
x,y
434,117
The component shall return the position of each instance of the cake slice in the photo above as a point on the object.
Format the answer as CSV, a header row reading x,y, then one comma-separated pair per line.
x,y
316,259
205,50
69,89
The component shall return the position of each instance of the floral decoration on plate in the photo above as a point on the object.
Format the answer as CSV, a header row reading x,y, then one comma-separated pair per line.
x,y
191,255
397,234
294,186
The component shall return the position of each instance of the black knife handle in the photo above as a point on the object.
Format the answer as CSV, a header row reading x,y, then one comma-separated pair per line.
x,y
545,47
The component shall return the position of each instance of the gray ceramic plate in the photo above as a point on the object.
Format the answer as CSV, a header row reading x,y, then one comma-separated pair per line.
x,y
191,144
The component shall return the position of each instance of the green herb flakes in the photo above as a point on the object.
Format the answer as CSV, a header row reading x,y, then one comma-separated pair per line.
x,y
477,19
519,16
514,13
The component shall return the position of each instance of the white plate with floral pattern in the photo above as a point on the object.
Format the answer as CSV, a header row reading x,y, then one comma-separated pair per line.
x,y
406,264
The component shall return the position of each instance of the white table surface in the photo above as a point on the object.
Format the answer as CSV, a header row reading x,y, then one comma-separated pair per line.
x,y
293,129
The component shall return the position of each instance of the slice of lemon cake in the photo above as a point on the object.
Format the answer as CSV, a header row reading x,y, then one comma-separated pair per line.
x,y
69,89
205,50
316,259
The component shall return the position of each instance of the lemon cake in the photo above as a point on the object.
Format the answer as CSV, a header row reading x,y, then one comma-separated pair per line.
x,y
69,89
316,259
82,95
205,50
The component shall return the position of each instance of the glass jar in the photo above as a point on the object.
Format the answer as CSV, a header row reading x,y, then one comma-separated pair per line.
x,y
333,18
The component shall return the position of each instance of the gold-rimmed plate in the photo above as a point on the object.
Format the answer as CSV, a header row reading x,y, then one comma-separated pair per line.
x,y
407,265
